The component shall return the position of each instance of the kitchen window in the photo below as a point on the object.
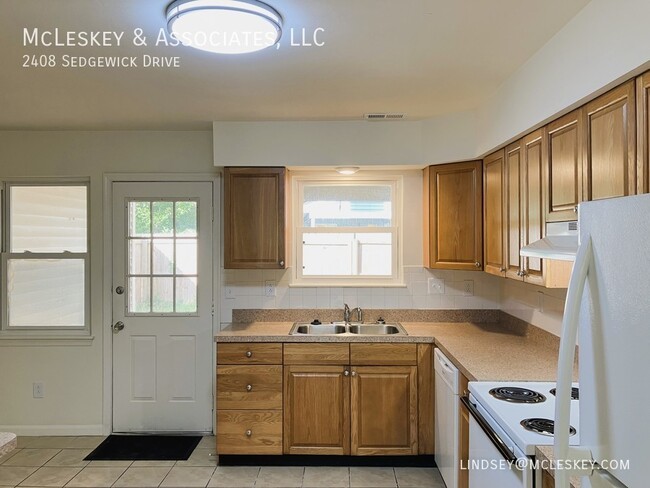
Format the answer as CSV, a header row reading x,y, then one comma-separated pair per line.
x,y
45,259
347,231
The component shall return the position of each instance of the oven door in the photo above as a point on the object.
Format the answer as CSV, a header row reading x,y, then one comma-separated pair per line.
x,y
494,461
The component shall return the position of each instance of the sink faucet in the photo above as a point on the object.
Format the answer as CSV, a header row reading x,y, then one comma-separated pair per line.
x,y
346,313
359,314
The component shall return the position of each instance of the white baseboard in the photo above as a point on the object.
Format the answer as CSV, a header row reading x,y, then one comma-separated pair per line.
x,y
31,430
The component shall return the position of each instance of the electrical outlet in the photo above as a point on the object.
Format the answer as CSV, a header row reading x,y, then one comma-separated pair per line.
x,y
468,288
436,286
39,391
230,293
269,288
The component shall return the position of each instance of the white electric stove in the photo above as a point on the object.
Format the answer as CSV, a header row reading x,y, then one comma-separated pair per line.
x,y
507,421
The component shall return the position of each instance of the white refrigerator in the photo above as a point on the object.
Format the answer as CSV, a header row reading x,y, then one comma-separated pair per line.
x,y
608,312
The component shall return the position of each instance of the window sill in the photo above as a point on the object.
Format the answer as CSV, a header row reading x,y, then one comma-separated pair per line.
x,y
13,339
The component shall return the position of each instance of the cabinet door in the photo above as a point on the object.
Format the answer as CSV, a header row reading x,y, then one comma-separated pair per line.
x,y
563,177
547,480
610,144
254,218
534,219
513,211
384,410
316,410
643,132
454,226
493,214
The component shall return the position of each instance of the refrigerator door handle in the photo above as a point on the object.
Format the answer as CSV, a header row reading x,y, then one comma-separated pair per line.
x,y
583,263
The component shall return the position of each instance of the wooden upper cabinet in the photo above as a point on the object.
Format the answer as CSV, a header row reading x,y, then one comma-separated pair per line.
x,y
513,220
384,409
610,144
453,217
255,218
643,132
563,177
493,214
317,410
533,148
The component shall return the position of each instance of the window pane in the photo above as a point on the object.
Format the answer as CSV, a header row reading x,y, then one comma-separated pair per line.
x,y
163,256
139,295
48,219
139,256
347,206
186,219
46,293
163,295
186,295
186,256
163,219
139,219
347,254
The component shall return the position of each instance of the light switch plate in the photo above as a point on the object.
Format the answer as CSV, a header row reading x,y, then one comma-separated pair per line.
x,y
436,286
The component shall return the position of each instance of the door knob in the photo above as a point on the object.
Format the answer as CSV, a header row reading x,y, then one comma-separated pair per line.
x,y
119,290
118,326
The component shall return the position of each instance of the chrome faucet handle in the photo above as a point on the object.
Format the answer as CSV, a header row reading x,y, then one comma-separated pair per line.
x,y
346,312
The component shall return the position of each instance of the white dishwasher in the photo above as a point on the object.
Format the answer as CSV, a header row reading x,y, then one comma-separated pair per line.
x,y
446,418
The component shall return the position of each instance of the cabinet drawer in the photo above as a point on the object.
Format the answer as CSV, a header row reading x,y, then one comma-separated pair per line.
x,y
381,354
249,432
316,353
249,387
249,353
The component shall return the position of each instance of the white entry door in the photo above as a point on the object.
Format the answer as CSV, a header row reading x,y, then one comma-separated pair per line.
x,y
162,307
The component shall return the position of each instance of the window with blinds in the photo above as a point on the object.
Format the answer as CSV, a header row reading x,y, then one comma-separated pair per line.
x,y
46,261
347,231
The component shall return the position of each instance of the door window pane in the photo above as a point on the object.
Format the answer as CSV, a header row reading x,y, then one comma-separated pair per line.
x,y
186,295
48,219
163,219
347,206
162,295
139,219
139,256
186,219
46,293
140,295
163,256
186,256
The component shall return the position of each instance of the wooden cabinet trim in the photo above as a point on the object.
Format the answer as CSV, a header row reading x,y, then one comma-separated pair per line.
x,y
316,353
643,132
426,403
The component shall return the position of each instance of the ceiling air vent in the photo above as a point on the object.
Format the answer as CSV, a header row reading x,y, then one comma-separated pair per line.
x,y
385,116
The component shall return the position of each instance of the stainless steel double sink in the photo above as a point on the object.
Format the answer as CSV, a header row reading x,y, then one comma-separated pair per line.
x,y
352,328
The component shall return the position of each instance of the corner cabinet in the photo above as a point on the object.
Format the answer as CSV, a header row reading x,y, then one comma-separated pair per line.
x,y
453,216
256,218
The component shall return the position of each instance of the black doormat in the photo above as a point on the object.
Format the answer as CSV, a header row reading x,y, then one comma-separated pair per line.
x,y
145,448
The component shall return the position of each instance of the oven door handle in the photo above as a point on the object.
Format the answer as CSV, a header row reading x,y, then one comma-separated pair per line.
x,y
493,436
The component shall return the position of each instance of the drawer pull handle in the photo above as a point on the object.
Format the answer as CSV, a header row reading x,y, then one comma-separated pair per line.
x,y
249,354
249,433
249,387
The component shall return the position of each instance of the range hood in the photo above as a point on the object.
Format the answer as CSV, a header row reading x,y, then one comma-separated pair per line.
x,y
560,243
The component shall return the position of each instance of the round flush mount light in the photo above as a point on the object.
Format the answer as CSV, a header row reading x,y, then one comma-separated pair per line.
x,y
224,26
347,170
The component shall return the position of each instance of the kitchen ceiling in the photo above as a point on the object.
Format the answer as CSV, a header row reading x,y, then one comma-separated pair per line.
x,y
422,57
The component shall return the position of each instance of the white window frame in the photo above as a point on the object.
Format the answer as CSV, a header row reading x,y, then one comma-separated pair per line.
x,y
7,331
396,279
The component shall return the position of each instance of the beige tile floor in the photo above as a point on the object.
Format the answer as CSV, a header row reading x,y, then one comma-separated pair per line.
x,y
57,462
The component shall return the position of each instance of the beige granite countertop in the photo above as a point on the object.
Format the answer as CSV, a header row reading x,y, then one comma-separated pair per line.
x,y
482,351
545,454
8,442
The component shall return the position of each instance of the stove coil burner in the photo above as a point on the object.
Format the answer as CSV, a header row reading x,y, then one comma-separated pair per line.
x,y
517,395
575,393
542,426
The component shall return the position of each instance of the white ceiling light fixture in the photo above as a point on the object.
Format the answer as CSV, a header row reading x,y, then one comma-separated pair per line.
x,y
347,170
224,26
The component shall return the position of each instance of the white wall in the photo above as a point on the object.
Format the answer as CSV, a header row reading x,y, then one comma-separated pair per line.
x,y
72,375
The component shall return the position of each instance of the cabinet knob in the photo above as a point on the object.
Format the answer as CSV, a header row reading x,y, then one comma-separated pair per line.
x,y
575,209
346,373
249,387
249,354
354,373
477,264
249,433
282,263
502,270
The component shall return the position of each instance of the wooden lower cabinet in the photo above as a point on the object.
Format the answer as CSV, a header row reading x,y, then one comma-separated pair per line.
x,y
317,404
547,480
384,410
249,431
